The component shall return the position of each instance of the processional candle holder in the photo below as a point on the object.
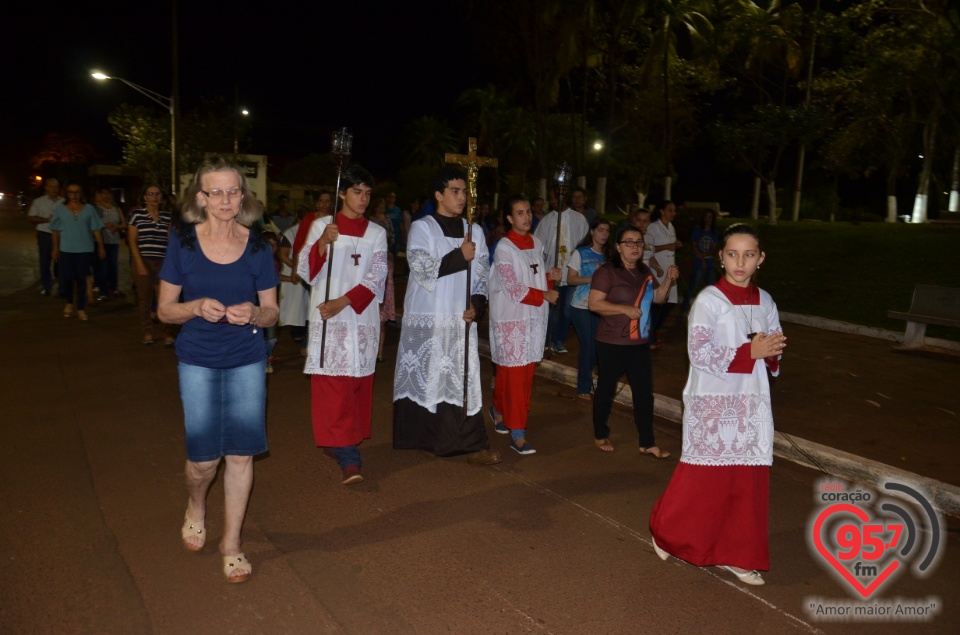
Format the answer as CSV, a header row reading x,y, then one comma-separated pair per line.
x,y
562,176
341,142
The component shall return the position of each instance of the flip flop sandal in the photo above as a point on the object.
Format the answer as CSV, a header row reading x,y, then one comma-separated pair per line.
x,y
604,445
655,452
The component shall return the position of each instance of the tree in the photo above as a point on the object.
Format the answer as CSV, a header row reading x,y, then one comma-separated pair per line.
x,y
426,139
145,136
63,149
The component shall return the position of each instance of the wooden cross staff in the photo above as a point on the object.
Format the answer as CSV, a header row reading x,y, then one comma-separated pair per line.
x,y
472,164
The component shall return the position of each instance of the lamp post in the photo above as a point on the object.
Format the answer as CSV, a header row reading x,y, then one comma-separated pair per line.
x,y
168,103
236,133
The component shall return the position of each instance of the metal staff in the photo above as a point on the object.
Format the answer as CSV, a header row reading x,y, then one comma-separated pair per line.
x,y
562,177
342,142
471,210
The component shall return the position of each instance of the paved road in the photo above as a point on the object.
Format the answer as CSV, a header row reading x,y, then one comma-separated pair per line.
x,y
91,456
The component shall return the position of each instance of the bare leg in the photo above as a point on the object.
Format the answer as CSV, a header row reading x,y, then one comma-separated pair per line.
x,y
199,477
237,483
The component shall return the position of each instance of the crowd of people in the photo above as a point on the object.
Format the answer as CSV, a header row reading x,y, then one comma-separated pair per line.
x,y
226,275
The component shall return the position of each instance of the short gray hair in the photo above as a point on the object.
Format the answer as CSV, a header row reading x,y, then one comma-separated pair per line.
x,y
192,212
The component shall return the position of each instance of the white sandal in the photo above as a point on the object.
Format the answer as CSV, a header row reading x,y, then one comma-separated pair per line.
x,y
748,577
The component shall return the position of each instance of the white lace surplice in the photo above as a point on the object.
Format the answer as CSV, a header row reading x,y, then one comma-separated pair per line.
x,y
517,331
351,348
430,356
727,419
294,298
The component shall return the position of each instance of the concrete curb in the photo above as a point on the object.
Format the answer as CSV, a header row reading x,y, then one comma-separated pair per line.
x,y
943,496
866,331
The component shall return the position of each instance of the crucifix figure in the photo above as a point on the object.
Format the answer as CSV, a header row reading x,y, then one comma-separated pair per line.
x,y
356,259
472,164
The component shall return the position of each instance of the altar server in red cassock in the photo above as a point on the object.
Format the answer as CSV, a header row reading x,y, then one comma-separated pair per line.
x,y
715,509
342,385
520,289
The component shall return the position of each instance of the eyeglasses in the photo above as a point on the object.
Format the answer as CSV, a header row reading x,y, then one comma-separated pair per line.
x,y
74,192
152,194
632,243
233,192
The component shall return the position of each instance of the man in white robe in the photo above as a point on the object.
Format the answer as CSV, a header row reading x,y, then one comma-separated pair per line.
x,y
573,229
428,412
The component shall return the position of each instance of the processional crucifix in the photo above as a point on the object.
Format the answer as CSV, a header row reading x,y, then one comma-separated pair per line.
x,y
472,164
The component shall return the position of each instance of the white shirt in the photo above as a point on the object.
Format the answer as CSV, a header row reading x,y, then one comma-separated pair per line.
x,y
659,234
43,207
573,228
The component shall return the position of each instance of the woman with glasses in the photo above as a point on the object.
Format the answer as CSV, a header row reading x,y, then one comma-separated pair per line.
x,y
147,233
622,293
75,227
226,275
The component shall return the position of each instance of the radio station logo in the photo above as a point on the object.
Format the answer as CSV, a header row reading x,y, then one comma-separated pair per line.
x,y
867,540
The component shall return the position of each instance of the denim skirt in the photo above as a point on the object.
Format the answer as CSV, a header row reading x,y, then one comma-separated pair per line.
x,y
224,410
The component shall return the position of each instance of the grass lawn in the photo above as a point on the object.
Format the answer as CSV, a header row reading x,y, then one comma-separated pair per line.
x,y
854,273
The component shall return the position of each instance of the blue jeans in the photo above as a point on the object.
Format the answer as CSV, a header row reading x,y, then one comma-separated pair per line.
x,y
348,455
560,316
107,270
45,249
585,324
73,272
224,410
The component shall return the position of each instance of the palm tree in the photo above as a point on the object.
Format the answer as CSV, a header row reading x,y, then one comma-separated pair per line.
x,y
674,17
426,140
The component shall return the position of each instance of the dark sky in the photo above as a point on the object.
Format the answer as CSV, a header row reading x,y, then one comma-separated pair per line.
x,y
301,68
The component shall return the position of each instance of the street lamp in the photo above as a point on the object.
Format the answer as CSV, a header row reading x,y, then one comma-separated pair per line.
x,y
236,141
166,102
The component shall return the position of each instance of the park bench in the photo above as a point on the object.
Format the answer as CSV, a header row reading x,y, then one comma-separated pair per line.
x,y
930,305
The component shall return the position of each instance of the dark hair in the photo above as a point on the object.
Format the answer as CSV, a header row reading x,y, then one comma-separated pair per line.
x,y
713,219
440,180
655,216
191,212
739,228
83,194
142,198
356,174
539,198
588,239
372,207
508,206
576,189
613,256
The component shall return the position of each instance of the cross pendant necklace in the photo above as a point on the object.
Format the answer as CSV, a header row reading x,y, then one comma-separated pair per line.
x,y
534,266
355,255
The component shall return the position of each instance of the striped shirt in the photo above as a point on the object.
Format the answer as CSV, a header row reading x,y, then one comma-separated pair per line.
x,y
151,236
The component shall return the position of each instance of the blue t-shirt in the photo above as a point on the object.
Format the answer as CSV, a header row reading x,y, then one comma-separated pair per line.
x,y
220,344
705,240
76,231
589,261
